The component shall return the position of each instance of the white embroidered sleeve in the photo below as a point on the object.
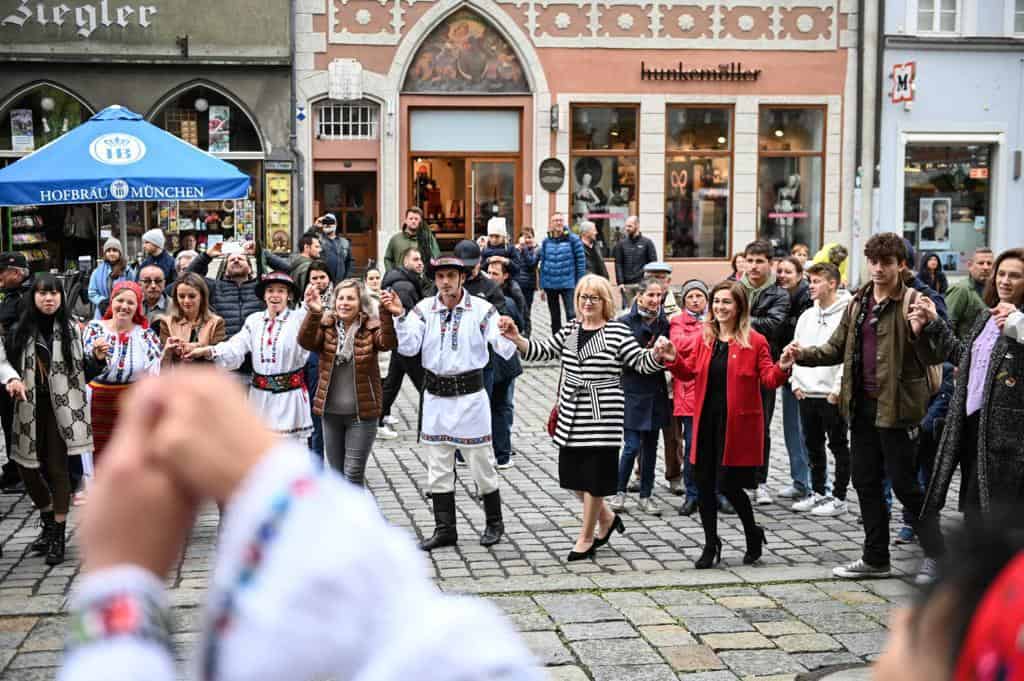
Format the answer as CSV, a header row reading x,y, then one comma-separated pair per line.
x,y
230,354
359,607
125,657
410,328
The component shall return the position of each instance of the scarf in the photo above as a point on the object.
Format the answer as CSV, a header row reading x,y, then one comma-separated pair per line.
x,y
67,396
754,292
346,341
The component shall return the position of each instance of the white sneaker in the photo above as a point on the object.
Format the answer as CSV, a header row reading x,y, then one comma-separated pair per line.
x,y
858,569
790,492
928,573
808,503
831,507
507,464
762,497
390,420
650,506
618,502
385,433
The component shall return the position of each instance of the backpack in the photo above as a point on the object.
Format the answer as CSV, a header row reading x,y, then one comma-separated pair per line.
x,y
933,372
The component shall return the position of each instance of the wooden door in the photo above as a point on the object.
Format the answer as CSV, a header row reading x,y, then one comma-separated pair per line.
x,y
352,198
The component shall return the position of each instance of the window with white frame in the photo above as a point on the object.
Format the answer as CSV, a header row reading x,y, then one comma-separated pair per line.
x,y
1018,17
347,120
938,16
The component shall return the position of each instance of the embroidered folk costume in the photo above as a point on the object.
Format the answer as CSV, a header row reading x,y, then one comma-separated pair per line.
x,y
456,411
131,356
278,388
285,604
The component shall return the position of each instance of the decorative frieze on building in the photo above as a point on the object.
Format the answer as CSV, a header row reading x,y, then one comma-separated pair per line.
x,y
629,24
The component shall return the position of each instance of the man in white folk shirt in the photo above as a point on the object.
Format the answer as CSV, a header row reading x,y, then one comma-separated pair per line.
x,y
452,330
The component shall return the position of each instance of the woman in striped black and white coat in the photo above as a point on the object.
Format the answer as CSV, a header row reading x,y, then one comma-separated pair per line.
x,y
592,349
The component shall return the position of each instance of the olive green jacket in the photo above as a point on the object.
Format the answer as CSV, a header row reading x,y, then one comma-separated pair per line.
x,y
964,305
901,364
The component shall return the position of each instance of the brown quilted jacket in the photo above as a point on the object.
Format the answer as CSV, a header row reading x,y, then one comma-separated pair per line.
x,y
319,334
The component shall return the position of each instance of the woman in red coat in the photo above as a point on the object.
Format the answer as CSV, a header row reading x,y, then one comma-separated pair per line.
x,y
729,364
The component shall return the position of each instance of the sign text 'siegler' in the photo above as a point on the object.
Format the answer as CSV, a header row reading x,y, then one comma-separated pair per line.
x,y
733,71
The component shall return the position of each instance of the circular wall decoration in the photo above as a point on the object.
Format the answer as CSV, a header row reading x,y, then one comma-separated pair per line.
x,y
746,23
625,21
363,17
804,23
687,22
562,20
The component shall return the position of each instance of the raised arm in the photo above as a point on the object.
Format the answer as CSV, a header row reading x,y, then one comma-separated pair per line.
x,y
642,361
547,348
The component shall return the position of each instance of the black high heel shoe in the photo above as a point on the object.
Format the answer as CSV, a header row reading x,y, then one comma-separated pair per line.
x,y
711,556
617,526
755,548
577,555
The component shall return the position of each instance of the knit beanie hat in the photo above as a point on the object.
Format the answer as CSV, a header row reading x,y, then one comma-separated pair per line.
x,y
112,242
155,237
695,284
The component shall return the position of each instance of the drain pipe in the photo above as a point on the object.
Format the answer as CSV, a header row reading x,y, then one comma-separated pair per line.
x,y
293,133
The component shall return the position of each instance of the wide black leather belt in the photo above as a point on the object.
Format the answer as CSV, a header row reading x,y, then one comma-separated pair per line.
x,y
452,386
280,383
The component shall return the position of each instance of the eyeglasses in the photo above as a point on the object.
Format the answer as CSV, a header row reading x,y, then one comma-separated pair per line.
x,y
147,282
587,298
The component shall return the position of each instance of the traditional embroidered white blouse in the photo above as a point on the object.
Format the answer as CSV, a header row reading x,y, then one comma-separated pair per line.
x,y
453,342
273,343
131,356
300,605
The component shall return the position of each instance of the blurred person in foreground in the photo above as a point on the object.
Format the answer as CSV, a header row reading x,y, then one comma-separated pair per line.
x,y
966,625
284,602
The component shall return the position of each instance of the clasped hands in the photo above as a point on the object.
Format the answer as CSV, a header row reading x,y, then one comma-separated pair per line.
x,y
184,437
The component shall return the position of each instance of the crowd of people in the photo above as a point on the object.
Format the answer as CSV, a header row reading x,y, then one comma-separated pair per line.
x,y
901,387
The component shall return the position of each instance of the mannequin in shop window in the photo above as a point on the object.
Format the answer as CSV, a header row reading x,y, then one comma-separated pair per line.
x,y
786,202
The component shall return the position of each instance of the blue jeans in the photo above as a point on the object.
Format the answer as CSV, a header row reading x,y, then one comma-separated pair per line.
x,y
553,294
316,440
502,414
689,474
645,444
799,462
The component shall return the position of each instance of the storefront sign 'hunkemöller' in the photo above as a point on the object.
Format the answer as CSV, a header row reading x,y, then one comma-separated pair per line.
x,y
733,71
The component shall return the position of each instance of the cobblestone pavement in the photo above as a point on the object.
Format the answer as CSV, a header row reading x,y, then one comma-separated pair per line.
x,y
639,612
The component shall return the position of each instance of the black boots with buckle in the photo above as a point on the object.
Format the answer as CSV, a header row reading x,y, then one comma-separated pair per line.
x,y
42,543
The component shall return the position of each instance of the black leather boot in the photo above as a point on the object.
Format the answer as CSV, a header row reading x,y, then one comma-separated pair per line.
x,y
755,545
445,533
42,542
58,540
495,527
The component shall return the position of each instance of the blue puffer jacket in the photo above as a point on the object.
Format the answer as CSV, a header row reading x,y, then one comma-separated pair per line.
x,y
562,262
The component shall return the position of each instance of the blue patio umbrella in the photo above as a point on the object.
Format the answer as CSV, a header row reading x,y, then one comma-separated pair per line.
x,y
118,156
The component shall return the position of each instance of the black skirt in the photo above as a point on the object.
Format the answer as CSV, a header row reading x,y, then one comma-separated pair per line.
x,y
589,469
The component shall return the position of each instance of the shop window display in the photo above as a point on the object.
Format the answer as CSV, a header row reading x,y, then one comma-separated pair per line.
x,y
698,169
38,117
946,199
790,169
604,169
209,120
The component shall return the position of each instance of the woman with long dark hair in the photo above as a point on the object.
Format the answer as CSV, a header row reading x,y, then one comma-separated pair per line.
x,y
730,363
931,273
51,417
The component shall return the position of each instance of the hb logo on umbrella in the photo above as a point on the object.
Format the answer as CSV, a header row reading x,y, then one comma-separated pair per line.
x,y
117,149
119,189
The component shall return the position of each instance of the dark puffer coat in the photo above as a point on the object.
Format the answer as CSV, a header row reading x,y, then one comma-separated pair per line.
x,y
234,302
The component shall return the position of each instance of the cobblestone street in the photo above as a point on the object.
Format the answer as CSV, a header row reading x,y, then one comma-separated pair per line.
x,y
640,611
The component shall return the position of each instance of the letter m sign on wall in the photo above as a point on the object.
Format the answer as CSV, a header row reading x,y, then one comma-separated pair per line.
x,y
903,82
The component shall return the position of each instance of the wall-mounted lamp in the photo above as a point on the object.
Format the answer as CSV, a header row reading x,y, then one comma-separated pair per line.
x,y
554,118
201,104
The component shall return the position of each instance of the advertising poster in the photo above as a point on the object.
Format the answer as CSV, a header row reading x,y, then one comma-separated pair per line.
x,y
934,222
220,128
22,133
278,230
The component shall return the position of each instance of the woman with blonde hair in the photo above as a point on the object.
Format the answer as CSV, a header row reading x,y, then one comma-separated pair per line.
x,y
592,348
729,363
189,323
348,394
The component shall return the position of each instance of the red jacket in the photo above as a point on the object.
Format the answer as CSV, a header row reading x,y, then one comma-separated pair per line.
x,y
683,326
749,370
